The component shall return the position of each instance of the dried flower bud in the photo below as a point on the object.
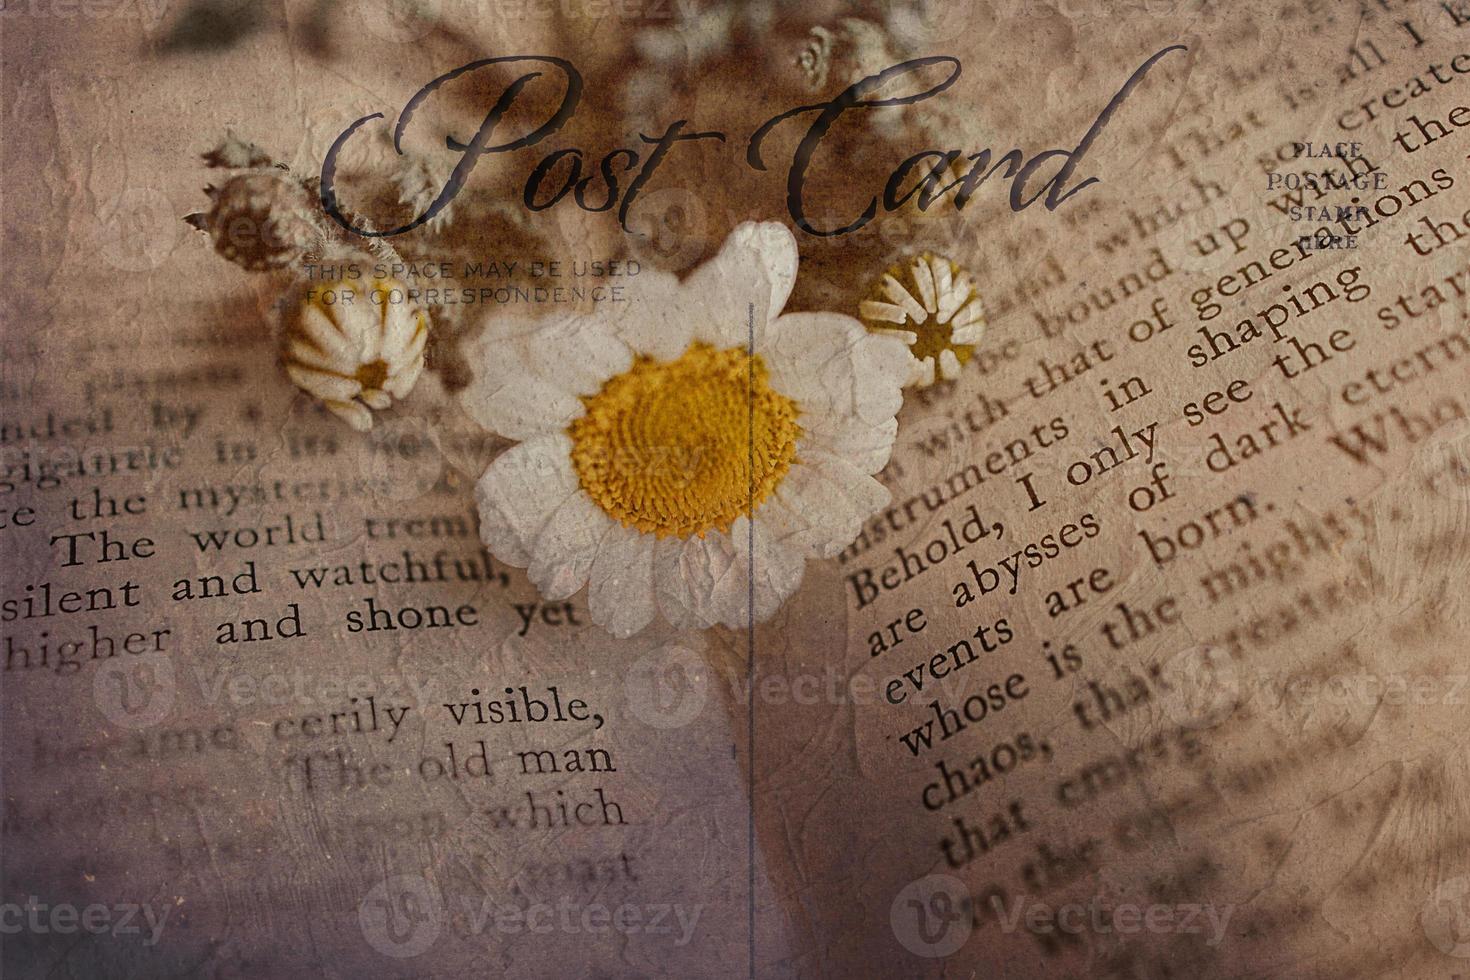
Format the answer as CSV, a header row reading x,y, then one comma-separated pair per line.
x,y
815,58
355,345
236,154
931,304
262,220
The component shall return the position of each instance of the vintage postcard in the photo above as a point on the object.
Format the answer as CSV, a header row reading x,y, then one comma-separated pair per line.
x,y
735,488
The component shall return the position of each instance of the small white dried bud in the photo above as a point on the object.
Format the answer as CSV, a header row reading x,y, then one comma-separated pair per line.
x,y
355,345
236,154
815,58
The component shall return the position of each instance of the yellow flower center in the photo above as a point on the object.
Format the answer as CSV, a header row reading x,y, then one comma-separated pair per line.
x,y
935,338
680,447
372,376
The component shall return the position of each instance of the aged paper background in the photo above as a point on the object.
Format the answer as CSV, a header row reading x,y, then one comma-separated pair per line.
x,y
1284,794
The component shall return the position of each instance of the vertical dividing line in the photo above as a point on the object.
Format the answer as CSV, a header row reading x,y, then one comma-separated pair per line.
x,y
750,621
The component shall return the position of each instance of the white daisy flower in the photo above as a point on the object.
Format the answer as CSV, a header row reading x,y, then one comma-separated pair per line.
x,y
669,448
933,307
355,345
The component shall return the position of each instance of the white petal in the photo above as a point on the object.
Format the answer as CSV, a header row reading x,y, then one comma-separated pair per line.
x,y
871,309
828,500
684,574
756,265
528,375
793,523
908,337
923,274
830,365
716,568
354,414
973,312
865,445
950,303
811,350
579,354
522,408
949,364
660,316
520,491
946,302
400,325
300,350
327,387
701,582
368,323
899,294
329,336
726,599
772,574
866,494
507,397
881,366
411,349
971,333
563,552
620,588
401,383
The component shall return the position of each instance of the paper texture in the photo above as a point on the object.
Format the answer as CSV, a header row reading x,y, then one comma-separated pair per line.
x,y
1152,666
